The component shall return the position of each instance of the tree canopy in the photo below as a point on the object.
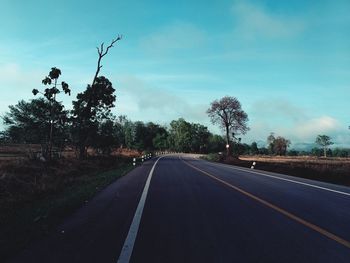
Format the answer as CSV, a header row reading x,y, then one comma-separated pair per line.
x,y
228,113
324,141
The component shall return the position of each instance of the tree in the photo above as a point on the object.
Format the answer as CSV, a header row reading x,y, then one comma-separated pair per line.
x,y
280,145
263,151
228,113
338,152
316,152
30,122
293,153
50,94
188,137
180,135
160,142
4,137
277,145
215,143
270,143
254,148
106,137
93,105
200,137
324,141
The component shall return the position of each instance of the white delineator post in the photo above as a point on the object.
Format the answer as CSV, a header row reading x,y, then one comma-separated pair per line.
x,y
253,165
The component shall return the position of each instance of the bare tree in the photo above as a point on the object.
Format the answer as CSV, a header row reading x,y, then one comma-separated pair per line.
x,y
92,106
101,53
228,113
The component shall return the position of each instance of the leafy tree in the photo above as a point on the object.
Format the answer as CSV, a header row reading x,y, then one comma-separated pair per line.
x,y
4,137
92,106
263,151
160,142
140,136
50,94
152,130
254,148
120,124
215,143
316,152
228,113
129,134
280,145
293,153
277,145
338,152
180,135
324,141
270,143
30,122
200,136
240,148
188,137
106,137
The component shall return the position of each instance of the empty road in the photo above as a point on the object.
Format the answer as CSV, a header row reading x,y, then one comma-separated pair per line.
x,y
180,209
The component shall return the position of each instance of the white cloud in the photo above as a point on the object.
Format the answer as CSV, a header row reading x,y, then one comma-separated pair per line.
x,y
291,121
255,21
309,129
142,101
177,36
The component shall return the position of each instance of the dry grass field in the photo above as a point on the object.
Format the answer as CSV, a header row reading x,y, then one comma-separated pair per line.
x,y
25,151
296,159
333,170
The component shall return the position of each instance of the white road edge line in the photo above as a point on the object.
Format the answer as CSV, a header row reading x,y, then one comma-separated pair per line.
x,y
129,242
284,179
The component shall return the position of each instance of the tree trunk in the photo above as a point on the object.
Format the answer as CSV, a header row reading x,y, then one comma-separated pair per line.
x,y
82,152
325,151
228,150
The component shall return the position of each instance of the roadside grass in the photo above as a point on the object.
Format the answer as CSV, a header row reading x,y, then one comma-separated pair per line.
x,y
330,170
213,157
41,203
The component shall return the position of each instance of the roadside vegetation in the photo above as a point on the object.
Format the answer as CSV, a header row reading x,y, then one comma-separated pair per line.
x,y
35,197
334,170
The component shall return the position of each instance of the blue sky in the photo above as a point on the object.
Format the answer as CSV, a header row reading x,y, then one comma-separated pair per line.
x,y
288,62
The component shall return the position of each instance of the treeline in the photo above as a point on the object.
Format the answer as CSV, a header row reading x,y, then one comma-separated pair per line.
x,y
30,123
253,149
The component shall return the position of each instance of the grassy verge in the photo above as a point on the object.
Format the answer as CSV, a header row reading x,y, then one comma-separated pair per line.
x,y
24,218
331,171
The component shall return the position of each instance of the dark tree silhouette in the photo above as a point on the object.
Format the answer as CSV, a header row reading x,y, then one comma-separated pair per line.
x,y
50,94
29,122
228,113
101,53
280,145
93,105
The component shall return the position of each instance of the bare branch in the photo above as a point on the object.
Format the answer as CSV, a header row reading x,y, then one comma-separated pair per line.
x,y
102,53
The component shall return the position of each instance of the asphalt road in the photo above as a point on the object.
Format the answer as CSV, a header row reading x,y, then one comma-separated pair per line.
x,y
195,211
